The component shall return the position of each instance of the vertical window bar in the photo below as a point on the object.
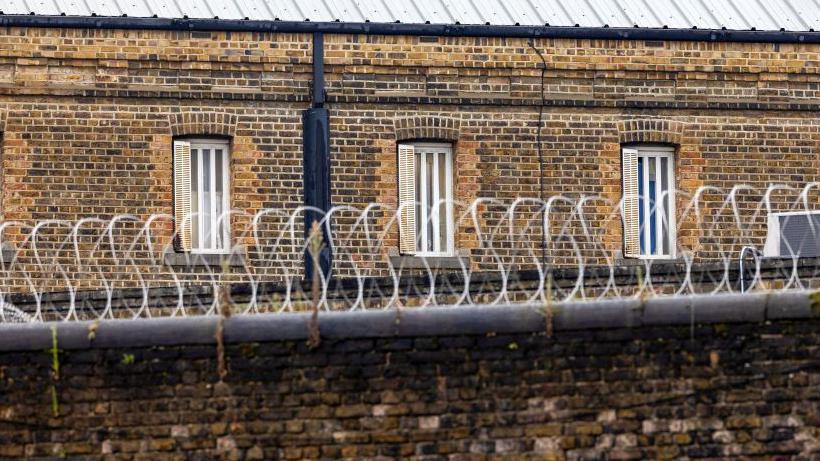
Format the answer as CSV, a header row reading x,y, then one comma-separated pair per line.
x,y
423,176
202,200
670,174
417,206
641,216
434,210
195,194
212,193
226,198
653,195
219,198
664,204
450,231
441,211
658,208
647,249
430,156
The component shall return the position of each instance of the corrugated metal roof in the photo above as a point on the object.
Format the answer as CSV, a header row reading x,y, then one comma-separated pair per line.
x,y
790,15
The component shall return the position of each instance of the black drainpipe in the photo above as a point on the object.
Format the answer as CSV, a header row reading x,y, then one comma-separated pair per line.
x,y
316,160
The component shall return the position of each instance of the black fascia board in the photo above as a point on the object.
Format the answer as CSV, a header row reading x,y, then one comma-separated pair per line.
x,y
443,30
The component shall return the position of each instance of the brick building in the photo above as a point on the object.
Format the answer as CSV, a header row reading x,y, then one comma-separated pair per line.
x,y
112,113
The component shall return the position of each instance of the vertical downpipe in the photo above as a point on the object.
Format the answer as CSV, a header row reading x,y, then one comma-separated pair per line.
x,y
316,160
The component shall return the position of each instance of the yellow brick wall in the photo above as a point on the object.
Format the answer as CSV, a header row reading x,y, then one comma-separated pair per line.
x,y
88,117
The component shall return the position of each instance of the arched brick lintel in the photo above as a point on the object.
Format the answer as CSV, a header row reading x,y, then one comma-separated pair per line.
x,y
650,130
438,127
203,123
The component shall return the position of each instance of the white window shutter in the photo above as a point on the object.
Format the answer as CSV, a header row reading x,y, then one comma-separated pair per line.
x,y
631,218
407,199
182,194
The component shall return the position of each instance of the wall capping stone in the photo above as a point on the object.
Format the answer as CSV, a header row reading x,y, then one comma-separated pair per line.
x,y
448,321
206,122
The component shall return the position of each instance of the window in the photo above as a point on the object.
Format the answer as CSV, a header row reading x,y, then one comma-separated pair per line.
x,y
649,201
201,188
426,197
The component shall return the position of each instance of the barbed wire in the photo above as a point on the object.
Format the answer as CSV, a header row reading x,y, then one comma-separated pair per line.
x,y
522,250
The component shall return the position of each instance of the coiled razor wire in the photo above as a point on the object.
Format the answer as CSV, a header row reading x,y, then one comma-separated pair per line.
x,y
522,250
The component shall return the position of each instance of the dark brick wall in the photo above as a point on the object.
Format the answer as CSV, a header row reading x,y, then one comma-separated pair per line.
x,y
720,391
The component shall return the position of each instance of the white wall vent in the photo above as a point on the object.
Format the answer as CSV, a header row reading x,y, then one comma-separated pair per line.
x,y
793,234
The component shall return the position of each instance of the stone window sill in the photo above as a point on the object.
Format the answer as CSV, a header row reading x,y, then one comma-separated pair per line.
x,y
649,261
235,258
400,261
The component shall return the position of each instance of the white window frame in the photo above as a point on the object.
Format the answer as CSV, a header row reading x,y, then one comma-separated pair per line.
x,y
422,149
656,152
225,145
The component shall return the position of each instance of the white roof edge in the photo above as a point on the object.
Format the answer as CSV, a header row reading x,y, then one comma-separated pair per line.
x,y
763,15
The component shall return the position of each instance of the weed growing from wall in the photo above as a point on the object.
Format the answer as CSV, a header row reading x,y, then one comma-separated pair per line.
x,y
315,245
55,372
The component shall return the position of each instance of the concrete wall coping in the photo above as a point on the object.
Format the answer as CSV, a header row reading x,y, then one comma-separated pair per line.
x,y
434,321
